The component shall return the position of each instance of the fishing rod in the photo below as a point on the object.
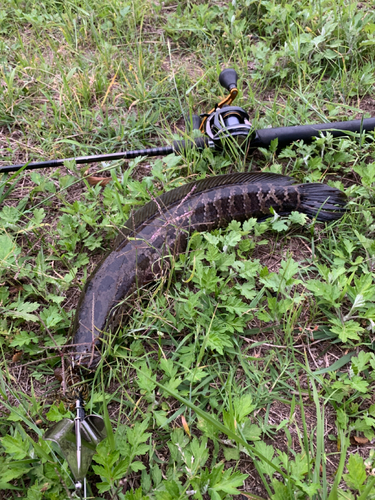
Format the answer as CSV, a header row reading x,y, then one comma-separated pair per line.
x,y
222,126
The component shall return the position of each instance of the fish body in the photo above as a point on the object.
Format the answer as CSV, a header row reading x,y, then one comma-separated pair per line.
x,y
162,227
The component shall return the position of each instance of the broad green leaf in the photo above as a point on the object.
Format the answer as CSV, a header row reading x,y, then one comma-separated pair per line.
x,y
309,489
251,432
280,225
121,469
359,384
330,293
243,406
298,218
34,493
229,482
23,338
356,472
22,310
137,494
249,224
360,362
268,452
16,446
12,470
342,419
231,240
8,248
299,466
51,316
231,453
214,240
57,413
288,269
347,330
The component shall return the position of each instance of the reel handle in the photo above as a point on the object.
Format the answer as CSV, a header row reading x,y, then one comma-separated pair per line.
x,y
228,79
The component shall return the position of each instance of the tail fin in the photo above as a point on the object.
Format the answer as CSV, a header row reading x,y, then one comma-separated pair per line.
x,y
324,202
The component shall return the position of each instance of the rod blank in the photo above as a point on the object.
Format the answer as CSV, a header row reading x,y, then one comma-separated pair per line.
x,y
177,147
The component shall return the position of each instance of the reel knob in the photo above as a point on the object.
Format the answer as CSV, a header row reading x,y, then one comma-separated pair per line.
x,y
228,79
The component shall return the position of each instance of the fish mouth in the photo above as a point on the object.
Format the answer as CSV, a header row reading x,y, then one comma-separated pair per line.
x,y
87,360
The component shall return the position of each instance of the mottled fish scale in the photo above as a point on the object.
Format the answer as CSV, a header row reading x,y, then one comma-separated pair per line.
x,y
162,227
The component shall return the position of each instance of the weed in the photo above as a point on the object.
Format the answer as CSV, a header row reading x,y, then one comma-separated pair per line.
x,y
250,367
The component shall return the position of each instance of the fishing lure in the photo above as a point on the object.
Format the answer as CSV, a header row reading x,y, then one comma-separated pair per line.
x,y
162,227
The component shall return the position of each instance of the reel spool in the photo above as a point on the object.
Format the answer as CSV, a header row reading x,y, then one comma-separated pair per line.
x,y
229,122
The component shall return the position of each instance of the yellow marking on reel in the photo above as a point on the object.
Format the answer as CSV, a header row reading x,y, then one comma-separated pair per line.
x,y
227,101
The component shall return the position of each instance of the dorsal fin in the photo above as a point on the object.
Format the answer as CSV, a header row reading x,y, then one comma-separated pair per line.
x,y
175,195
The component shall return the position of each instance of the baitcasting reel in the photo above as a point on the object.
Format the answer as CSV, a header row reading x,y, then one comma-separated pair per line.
x,y
226,122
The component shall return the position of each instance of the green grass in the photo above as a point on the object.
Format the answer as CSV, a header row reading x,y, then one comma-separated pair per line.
x,y
250,366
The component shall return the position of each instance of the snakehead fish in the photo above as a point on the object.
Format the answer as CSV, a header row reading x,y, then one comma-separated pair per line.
x,y
161,228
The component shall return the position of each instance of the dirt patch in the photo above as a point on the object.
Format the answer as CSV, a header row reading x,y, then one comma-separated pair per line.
x,y
367,104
